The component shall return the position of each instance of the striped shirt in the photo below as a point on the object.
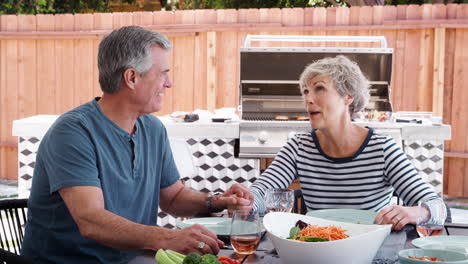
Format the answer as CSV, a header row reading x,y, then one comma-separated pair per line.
x,y
365,180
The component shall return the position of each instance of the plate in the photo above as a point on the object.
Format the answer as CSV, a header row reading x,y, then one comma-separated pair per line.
x,y
219,225
445,256
454,243
346,215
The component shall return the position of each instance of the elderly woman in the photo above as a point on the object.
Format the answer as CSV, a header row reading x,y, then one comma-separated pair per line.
x,y
341,164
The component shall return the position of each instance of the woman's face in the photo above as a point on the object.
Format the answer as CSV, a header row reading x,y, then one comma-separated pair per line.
x,y
323,103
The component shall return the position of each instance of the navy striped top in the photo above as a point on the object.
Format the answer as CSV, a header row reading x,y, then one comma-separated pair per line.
x,y
365,180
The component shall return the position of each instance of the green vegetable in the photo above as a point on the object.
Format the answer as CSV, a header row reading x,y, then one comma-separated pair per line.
x,y
175,256
314,239
168,251
163,258
210,259
192,258
294,232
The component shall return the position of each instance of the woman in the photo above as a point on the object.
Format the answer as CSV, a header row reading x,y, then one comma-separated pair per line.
x,y
341,164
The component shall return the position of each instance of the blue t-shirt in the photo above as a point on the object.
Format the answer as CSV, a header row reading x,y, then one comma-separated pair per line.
x,y
85,148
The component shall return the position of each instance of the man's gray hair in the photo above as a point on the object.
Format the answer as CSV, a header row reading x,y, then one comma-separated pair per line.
x,y
346,76
127,47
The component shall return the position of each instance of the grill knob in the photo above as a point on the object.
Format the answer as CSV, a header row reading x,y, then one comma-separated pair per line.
x,y
263,137
291,134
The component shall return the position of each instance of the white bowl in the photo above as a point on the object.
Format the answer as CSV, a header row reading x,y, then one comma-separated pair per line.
x,y
359,248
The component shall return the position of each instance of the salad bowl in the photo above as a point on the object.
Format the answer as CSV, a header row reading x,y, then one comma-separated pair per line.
x,y
360,247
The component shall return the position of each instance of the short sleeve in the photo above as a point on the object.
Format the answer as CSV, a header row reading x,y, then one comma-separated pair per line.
x,y
69,156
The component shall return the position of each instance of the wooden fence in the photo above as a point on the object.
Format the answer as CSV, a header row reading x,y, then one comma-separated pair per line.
x,y
48,63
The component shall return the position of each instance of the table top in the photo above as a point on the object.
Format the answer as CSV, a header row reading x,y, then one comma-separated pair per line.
x,y
387,254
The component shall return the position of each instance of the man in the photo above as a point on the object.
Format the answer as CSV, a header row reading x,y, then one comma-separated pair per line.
x,y
103,168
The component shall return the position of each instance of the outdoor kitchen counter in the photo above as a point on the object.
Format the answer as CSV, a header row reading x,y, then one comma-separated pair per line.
x,y
208,146
211,147
38,125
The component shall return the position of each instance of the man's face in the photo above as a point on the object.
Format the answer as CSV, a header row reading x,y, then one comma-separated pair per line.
x,y
151,86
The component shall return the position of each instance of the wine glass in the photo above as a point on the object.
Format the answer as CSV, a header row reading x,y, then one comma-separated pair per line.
x,y
279,200
434,226
245,231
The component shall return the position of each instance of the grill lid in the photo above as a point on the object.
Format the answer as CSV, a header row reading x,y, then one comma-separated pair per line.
x,y
269,75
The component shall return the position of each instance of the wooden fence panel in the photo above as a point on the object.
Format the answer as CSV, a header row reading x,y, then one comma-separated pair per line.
x,y
448,101
459,110
106,22
27,104
464,66
56,70
227,61
292,17
46,81
9,93
463,81
184,64
64,65
205,92
84,61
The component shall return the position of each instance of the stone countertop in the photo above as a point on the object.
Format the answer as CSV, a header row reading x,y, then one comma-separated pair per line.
x,y
411,131
38,125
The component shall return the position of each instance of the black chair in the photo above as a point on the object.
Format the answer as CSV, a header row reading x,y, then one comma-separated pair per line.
x,y
12,220
299,204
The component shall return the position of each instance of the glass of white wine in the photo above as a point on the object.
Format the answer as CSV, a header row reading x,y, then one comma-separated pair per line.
x,y
279,200
434,226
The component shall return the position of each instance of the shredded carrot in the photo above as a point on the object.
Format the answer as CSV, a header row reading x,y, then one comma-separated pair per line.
x,y
329,233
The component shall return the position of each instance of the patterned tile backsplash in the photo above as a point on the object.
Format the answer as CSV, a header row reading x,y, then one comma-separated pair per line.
x,y
217,168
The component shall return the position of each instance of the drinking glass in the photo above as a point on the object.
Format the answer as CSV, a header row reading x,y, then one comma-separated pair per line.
x,y
434,226
279,200
245,231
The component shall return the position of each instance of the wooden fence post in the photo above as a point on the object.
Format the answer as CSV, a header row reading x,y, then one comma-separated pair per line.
x,y
438,69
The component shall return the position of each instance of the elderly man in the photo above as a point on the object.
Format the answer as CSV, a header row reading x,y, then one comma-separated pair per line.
x,y
104,167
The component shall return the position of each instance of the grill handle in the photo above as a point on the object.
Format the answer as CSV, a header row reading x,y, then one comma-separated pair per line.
x,y
298,38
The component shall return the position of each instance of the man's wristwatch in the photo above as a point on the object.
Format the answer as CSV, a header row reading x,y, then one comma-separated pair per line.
x,y
209,203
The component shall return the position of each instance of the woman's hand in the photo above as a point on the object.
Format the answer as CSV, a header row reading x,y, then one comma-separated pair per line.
x,y
399,216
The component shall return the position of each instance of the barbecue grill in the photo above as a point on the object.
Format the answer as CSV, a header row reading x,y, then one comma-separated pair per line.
x,y
269,86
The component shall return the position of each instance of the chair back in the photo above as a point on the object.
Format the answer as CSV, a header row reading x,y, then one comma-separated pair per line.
x,y
182,157
300,206
12,220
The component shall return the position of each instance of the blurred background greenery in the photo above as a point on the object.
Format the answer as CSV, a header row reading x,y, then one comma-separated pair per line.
x,y
91,6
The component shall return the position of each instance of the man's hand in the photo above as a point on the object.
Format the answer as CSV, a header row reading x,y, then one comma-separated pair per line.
x,y
399,216
189,239
237,197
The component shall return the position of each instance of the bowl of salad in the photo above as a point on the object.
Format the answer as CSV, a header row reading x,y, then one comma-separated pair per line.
x,y
431,256
306,239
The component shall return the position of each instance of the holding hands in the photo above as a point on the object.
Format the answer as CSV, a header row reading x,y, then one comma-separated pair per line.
x,y
237,197
198,238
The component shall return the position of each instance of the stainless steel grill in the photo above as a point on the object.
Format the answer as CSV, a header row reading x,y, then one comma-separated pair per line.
x,y
269,86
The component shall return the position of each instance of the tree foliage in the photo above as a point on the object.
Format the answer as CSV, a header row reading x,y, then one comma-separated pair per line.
x,y
236,4
86,6
55,6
